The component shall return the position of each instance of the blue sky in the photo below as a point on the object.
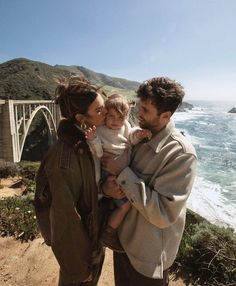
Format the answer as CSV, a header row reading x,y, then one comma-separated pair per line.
x,y
192,41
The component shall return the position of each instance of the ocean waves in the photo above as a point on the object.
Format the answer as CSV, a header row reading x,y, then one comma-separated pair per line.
x,y
212,131
208,200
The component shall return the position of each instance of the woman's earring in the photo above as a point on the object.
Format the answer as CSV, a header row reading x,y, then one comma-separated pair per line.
x,y
83,126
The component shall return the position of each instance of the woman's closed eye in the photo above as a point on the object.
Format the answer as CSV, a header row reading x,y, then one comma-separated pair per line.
x,y
99,110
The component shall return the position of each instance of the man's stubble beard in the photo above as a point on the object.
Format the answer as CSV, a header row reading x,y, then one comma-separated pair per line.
x,y
145,125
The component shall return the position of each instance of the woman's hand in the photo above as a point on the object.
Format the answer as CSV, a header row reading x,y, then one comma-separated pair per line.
x,y
113,164
89,279
111,189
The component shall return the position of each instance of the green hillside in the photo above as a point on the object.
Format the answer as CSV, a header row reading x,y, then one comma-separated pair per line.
x,y
26,79
101,79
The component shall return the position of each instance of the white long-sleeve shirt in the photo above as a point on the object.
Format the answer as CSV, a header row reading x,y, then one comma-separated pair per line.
x,y
114,141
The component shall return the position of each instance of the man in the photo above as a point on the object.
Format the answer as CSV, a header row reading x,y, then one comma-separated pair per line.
x,y
157,182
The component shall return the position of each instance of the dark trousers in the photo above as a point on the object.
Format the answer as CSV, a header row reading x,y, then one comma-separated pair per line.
x,y
96,269
126,275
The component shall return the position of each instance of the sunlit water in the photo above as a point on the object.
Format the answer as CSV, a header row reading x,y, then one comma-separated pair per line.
x,y
212,130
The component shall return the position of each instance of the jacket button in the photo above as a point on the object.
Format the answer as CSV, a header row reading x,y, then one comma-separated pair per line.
x,y
123,182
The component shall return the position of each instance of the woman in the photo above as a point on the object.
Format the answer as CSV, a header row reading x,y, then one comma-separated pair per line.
x,y
66,200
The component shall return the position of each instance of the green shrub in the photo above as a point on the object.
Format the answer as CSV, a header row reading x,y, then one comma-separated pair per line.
x,y
28,170
17,215
208,253
17,218
25,169
8,169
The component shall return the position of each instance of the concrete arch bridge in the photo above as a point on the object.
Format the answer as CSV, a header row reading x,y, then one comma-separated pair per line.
x,y
16,117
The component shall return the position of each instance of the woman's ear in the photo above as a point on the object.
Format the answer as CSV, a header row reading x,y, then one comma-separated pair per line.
x,y
80,118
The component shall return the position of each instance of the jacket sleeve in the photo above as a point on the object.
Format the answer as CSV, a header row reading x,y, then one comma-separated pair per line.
x,y
134,140
131,133
61,224
42,203
95,146
162,203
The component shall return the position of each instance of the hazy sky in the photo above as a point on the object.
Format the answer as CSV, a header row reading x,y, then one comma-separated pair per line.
x,y
192,41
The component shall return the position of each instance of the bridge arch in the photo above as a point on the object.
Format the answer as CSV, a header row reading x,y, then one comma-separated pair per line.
x,y
49,120
16,117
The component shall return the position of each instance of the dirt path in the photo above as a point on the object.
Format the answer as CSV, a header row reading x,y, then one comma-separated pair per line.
x,y
6,189
33,264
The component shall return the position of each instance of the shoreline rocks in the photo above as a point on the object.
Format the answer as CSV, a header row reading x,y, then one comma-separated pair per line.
x,y
232,110
185,106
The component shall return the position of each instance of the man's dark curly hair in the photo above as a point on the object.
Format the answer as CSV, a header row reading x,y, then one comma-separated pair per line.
x,y
165,93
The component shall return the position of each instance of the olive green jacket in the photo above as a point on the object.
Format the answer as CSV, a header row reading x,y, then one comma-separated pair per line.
x,y
66,202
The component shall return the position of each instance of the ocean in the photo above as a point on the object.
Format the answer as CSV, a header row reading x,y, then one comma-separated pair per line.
x,y
212,131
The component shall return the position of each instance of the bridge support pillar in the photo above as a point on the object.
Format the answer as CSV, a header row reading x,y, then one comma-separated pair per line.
x,y
9,145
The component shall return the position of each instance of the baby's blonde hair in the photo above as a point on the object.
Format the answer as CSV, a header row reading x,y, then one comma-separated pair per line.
x,y
119,103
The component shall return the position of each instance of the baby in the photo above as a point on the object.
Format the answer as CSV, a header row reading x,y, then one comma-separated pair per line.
x,y
114,137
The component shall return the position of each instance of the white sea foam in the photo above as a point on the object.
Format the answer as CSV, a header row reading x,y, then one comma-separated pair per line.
x,y
193,139
214,201
188,115
207,200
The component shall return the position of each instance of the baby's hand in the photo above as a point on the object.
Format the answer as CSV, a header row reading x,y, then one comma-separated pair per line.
x,y
144,133
91,133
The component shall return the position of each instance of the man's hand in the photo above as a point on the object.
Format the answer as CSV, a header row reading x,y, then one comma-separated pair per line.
x,y
112,189
113,164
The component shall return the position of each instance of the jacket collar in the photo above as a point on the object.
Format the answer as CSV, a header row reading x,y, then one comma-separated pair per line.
x,y
157,142
71,134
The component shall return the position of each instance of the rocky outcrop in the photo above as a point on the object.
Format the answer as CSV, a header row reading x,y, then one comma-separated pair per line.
x,y
232,110
185,106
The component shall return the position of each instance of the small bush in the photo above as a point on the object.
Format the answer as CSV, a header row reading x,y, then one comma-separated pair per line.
x,y
208,253
8,169
17,218
28,170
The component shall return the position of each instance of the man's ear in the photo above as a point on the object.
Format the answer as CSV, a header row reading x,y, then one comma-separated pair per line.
x,y
166,116
80,117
